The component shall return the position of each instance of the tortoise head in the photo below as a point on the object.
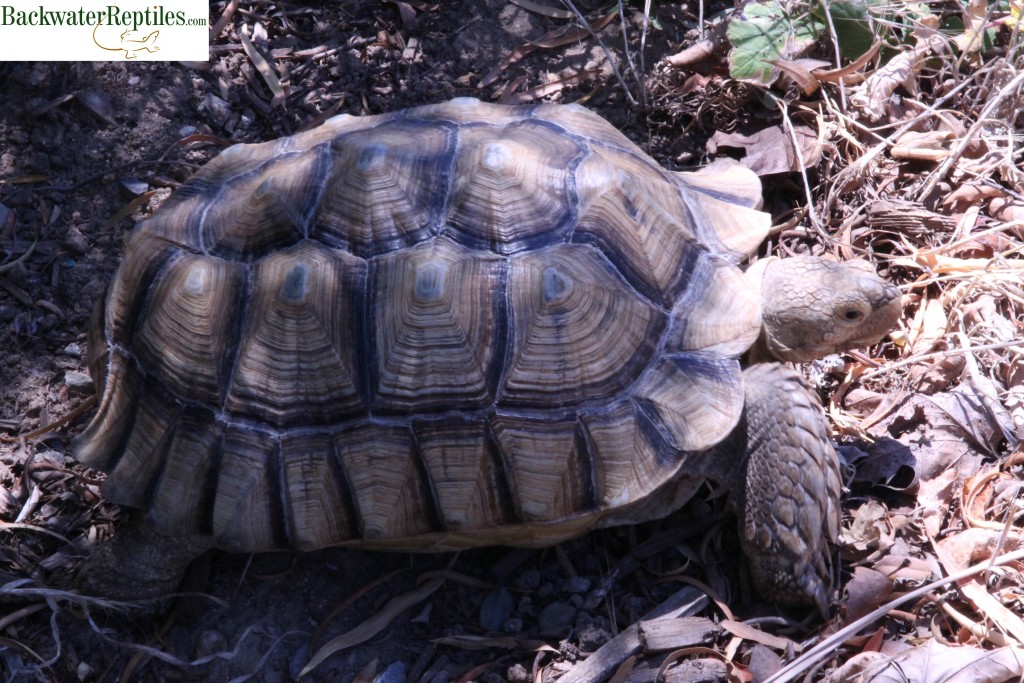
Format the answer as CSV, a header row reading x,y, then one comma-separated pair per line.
x,y
813,307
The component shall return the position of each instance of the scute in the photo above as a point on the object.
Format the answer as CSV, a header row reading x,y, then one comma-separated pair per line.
x,y
298,357
578,332
454,325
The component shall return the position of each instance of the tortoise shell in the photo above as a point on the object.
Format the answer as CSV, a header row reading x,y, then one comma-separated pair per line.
x,y
448,326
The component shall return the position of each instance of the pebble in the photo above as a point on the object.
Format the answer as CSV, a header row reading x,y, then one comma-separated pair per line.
x,y
528,580
72,349
78,382
513,625
395,673
576,584
76,241
211,642
517,673
555,619
496,609
218,109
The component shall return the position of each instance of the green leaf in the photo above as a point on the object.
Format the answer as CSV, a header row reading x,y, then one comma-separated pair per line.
x,y
764,32
853,30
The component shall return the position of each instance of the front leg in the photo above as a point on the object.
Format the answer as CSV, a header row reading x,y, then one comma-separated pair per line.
x,y
787,493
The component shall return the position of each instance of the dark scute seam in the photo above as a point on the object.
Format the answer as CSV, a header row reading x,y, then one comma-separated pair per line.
x,y
428,492
508,500
348,493
238,322
651,429
584,449
279,512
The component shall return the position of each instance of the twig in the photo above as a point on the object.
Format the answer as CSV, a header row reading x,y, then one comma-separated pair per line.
x,y
964,142
607,53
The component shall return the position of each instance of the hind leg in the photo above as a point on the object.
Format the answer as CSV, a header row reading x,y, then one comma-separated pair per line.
x,y
139,564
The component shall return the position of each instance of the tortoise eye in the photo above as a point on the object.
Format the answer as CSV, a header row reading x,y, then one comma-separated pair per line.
x,y
853,314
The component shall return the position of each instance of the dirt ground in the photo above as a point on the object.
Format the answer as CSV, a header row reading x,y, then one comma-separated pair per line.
x,y
80,143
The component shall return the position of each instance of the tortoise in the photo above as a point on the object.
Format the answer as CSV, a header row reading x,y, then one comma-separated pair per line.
x,y
459,325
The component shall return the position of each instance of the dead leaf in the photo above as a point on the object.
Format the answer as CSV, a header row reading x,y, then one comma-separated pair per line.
x,y
971,193
261,64
867,591
874,94
938,663
975,15
751,633
800,72
868,527
848,74
934,497
928,327
771,150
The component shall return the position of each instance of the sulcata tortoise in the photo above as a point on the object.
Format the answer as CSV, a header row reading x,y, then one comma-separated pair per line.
x,y
460,325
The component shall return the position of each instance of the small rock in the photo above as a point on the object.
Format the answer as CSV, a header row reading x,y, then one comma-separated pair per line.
x,y
528,580
211,641
513,625
78,382
185,131
218,109
496,609
555,619
395,673
594,598
517,673
298,661
591,634
84,671
76,241
72,349
576,584
134,186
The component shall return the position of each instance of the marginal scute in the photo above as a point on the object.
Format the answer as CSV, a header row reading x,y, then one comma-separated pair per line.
x,y
693,401
247,507
101,442
146,452
717,313
578,331
510,189
297,360
319,510
628,462
465,473
551,478
386,483
439,325
186,332
723,199
183,497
